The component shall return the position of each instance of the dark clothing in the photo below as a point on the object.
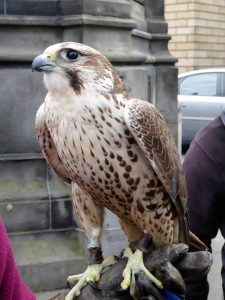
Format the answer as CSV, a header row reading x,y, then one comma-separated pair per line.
x,y
204,168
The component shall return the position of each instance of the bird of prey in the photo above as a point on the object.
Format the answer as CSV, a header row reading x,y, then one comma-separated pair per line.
x,y
116,151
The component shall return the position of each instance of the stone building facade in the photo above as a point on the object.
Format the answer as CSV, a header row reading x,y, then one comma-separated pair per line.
x,y
35,204
197,28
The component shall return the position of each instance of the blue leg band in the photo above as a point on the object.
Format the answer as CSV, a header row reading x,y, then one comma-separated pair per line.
x,y
93,245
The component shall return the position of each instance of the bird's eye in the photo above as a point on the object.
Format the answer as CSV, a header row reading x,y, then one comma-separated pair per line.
x,y
72,54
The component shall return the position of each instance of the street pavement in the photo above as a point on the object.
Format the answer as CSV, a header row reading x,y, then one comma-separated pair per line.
x,y
215,282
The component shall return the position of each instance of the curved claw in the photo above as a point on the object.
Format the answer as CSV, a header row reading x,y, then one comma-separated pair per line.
x,y
116,258
68,284
91,275
134,265
93,285
121,255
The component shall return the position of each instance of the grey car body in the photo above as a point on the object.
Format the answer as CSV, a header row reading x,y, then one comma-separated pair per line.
x,y
201,97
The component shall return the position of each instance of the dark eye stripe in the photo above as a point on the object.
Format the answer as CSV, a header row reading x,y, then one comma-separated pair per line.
x,y
74,80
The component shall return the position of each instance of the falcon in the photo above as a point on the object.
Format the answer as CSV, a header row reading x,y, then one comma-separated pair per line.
x,y
116,152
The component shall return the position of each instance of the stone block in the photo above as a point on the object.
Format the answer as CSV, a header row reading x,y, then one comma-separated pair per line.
x,y
180,23
178,7
181,38
185,30
183,53
21,93
22,180
28,41
32,40
154,8
68,7
187,46
113,238
44,8
29,180
57,188
30,189
111,220
136,79
170,16
25,216
196,53
108,8
33,7
172,31
154,12
62,214
138,14
140,41
192,6
113,241
166,98
187,14
159,49
45,260
172,2
101,39
51,276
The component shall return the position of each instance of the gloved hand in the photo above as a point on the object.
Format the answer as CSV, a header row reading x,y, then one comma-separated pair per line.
x,y
171,264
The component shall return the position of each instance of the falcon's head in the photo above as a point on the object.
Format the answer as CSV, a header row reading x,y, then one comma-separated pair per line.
x,y
79,67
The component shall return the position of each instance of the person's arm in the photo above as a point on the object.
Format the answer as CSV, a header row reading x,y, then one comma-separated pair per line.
x,y
203,185
203,207
12,286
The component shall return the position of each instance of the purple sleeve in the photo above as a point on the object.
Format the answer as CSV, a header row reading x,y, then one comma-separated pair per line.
x,y
11,285
203,185
204,168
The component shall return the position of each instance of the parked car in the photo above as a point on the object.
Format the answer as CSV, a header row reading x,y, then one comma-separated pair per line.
x,y
201,96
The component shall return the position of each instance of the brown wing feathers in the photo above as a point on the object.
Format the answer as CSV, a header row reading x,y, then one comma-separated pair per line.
x,y
153,136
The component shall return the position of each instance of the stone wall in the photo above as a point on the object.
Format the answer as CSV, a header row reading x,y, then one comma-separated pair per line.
x,y
197,28
132,34
34,203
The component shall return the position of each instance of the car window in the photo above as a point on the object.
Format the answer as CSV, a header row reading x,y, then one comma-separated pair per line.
x,y
199,84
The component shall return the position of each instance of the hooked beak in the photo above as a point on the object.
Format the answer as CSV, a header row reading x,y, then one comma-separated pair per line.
x,y
42,63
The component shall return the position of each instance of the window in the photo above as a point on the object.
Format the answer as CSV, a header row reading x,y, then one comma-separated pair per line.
x,y
199,85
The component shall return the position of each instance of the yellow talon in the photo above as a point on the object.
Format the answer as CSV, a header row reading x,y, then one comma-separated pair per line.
x,y
125,285
134,265
87,278
92,273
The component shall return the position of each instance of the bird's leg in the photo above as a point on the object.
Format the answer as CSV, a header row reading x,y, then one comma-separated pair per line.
x,y
92,273
144,243
90,215
141,243
95,258
135,264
